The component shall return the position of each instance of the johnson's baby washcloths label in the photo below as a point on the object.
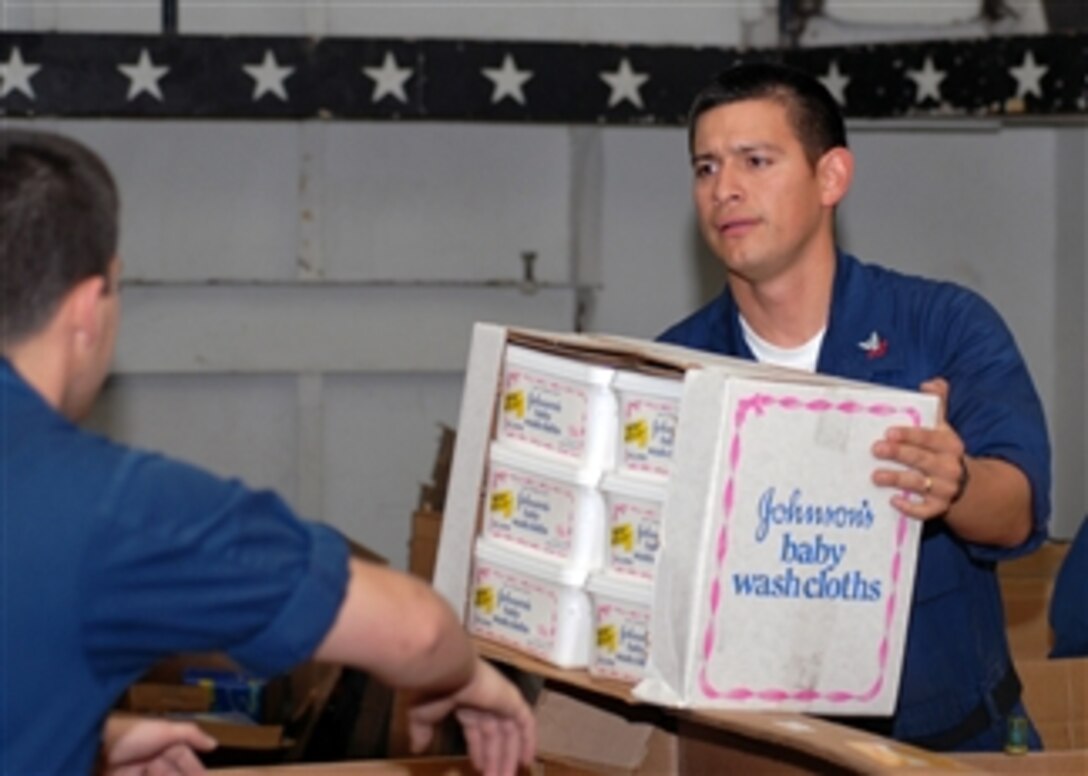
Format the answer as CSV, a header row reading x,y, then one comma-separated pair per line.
x,y
557,406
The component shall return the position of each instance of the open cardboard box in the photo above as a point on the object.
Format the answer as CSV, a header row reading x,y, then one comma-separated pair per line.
x,y
598,725
291,705
782,578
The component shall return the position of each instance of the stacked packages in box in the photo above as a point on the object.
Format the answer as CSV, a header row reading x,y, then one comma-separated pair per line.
x,y
572,511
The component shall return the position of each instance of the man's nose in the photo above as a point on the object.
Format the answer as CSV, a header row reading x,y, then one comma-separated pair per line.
x,y
726,185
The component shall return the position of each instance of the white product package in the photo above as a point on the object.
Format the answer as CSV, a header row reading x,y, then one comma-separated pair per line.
x,y
545,505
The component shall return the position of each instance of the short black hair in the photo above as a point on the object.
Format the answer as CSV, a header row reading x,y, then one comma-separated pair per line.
x,y
58,225
816,118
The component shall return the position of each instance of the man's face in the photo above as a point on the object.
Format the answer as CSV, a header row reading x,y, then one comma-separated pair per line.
x,y
756,194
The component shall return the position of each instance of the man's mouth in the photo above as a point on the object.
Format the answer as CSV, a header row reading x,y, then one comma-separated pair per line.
x,y
737,227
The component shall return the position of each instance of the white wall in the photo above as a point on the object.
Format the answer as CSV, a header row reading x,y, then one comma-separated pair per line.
x,y
353,257
635,21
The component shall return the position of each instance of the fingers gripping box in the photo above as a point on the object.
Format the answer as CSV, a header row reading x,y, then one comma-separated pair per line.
x,y
783,577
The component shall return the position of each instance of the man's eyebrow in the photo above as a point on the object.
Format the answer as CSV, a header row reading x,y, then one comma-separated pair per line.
x,y
744,148
739,148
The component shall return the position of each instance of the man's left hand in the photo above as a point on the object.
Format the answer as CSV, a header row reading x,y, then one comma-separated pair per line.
x,y
936,465
139,746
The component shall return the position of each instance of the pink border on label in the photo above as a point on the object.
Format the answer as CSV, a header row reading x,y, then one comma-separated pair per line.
x,y
541,483
651,466
629,613
757,404
577,433
492,631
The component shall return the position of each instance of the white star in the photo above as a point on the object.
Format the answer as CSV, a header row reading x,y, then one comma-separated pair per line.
x,y
1028,76
508,81
389,79
835,82
144,77
15,74
269,76
872,342
928,81
624,84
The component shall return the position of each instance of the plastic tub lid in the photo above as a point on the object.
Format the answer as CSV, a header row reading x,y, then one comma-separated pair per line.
x,y
531,563
631,589
557,365
548,467
629,486
640,383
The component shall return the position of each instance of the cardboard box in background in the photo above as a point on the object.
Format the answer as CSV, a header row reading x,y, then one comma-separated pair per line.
x,y
1056,697
596,725
423,545
1026,586
291,706
430,766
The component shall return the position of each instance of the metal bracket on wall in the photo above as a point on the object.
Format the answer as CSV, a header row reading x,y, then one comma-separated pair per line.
x,y
169,17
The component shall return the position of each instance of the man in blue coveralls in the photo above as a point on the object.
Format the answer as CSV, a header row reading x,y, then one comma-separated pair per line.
x,y
113,558
770,163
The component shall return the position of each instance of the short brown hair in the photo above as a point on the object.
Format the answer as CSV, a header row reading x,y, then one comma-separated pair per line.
x,y
58,225
813,112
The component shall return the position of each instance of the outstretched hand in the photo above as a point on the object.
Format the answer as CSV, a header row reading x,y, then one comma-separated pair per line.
x,y
936,467
498,724
141,746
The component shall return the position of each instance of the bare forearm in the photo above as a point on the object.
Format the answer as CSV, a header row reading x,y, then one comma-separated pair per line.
x,y
397,628
995,507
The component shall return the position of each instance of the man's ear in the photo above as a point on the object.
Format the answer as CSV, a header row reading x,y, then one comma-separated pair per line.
x,y
83,310
835,171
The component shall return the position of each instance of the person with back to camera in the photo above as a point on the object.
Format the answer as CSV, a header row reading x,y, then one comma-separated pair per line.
x,y
113,558
1068,610
771,163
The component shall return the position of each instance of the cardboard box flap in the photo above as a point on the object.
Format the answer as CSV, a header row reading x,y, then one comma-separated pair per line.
x,y
660,358
600,735
772,562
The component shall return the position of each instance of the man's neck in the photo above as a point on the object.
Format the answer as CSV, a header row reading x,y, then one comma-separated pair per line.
x,y
40,368
789,309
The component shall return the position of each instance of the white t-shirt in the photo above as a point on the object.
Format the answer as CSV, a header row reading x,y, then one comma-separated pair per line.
x,y
801,357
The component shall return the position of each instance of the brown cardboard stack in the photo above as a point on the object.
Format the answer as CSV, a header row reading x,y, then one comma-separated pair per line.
x,y
427,520
1056,696
1026,586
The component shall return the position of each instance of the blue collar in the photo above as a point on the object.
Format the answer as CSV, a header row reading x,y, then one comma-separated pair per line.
x,y
859,342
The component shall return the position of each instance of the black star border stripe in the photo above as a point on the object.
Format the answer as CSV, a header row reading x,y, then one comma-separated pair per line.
x,y
78,75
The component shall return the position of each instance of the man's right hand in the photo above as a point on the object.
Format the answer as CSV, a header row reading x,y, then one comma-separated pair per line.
x,y
499,726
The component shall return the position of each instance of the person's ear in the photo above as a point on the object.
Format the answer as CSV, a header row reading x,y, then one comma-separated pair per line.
x,y
84,308
835,171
